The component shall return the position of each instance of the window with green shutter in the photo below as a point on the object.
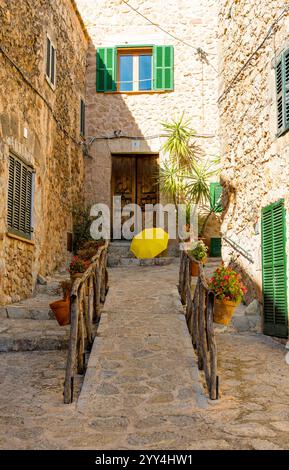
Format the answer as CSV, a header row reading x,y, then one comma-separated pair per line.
x,y
135,69
274,270
19,207
282,91
216,197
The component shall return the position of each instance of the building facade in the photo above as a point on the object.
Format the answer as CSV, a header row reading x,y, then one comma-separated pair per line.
x,y
42,69
139,75
254,120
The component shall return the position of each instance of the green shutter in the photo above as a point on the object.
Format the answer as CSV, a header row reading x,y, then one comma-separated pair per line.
x,y
163,67
216,248
106,69
286,89
215,197
274,270
19,201
282,93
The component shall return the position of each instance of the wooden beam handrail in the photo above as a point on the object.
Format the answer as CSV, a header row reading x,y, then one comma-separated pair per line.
x,y
87,295
200,320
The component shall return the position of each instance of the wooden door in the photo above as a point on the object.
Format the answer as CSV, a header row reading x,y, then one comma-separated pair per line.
x,y
134,179
147,187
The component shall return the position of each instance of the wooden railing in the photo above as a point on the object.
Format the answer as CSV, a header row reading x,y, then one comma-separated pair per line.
x,y
199,316
87,295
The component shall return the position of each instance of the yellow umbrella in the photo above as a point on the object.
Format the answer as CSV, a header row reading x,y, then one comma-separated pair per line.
x,y
149,243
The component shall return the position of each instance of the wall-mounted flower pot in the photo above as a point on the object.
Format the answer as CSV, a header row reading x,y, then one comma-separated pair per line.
x,y
61,310
224,310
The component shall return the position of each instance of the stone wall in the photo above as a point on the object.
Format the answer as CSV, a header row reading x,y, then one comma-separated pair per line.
x,y
255,162
112,23
43,131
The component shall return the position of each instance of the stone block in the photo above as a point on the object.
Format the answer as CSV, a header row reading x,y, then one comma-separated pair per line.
x,y
254,308
3,312
17,312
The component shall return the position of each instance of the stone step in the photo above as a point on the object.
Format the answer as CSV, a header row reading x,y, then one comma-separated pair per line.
x,y
28,335
144,262
119,250
36,308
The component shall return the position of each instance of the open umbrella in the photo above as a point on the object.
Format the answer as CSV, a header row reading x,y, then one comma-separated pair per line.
x,y
149,243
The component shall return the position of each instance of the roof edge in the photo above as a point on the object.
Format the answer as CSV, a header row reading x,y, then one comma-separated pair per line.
x,y
83,27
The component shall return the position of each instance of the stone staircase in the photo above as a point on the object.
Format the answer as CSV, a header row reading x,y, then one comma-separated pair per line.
x,y
30,325
119,254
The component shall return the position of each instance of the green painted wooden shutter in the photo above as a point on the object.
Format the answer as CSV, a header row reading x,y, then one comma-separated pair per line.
x,y
106,69
274,270
163,67
279,90
19,202
215,197
286,89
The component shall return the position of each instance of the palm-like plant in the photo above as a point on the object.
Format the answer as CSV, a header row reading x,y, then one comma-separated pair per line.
x,y
178,145
198,182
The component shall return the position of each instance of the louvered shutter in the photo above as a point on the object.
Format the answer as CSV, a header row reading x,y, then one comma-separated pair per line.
x,y
286,89
19,205
274,270
279,89
106,69
163,67
215,197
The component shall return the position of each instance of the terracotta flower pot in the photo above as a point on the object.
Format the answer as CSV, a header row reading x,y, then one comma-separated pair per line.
x,y
61,310
194,269
224,310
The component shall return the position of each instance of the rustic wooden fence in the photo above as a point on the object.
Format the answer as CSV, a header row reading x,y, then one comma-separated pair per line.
x,y
199,316
87,295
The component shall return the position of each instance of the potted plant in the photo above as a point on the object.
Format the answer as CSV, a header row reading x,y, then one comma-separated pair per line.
x,y
77,267
61,308
229,290
199,252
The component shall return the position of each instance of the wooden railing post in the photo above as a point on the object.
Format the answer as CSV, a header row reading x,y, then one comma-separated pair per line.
x,y
85,301
199,316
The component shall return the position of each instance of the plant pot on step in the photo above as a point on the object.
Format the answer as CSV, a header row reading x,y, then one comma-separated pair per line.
x,y
194,269
224,310
61,310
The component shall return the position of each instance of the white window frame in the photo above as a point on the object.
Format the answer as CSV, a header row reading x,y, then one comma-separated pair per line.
x,y
135,74
49,77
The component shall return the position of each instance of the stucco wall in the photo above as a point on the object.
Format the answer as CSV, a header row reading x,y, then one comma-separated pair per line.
x,y
255,162
55,157
112,23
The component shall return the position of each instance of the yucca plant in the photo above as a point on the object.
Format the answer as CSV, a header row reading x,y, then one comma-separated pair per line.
x,y
178,145
198,182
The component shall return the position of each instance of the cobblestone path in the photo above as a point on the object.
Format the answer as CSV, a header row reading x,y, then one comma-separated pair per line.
x,y
142,389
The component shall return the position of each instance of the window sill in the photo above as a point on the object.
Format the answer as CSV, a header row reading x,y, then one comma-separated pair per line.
x,y
21,239
148,92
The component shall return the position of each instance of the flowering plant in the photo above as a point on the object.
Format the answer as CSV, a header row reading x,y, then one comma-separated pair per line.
x,y
199,251
78,265
227,285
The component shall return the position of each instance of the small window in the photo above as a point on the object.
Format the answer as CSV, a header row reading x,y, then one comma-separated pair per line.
x,y
216,197
82,118
50,62
135,72
282,92
20,191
